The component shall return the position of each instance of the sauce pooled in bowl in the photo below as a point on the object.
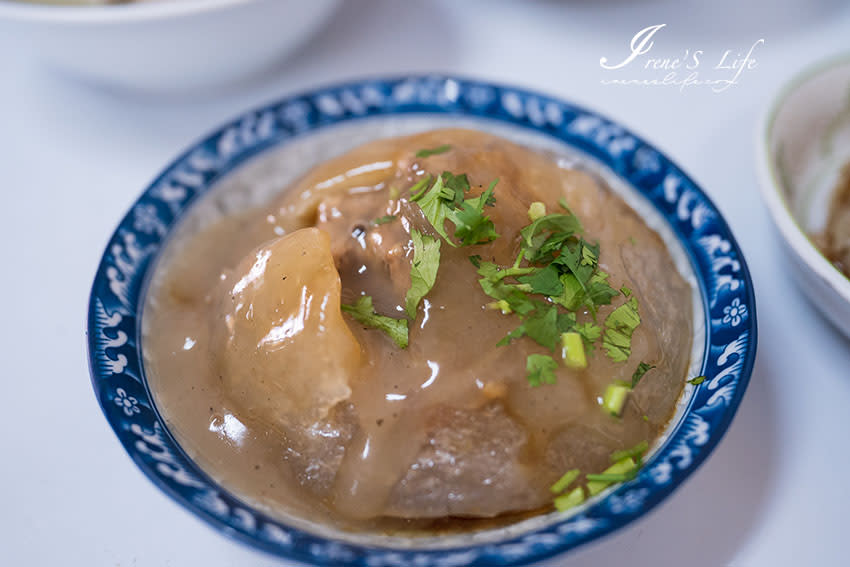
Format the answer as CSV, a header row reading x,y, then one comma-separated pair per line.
x,y
438,326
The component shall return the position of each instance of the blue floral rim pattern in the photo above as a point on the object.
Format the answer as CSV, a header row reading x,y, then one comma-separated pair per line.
x,y
116,298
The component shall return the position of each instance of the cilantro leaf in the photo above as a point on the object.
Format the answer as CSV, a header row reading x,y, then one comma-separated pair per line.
x,y
571,257
619,326
697,381
515,334
423,270
433,151
598,291
572,294
589,254
457,184
384,220
517,299
544,237
544,281
542,326
364,312
476,260
590,332
540,369
433,205
642,369
471,225
566,322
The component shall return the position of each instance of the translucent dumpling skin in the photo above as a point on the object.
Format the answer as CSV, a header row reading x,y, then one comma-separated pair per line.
x,y
284,351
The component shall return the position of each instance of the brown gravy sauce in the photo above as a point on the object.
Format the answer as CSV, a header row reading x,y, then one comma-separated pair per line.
x,y
302,411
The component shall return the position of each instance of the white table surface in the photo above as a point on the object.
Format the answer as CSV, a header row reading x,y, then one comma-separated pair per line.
x,y
73,158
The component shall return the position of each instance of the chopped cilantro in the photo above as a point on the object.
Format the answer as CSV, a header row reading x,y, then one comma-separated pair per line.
x,y
423,270
544,281
590,332
545,236
589,255
364,312
433,205
540,369
625,291
457,185
446,200
641,369
542,326
433,151
619,326
697,381
476,260
471,225
384,219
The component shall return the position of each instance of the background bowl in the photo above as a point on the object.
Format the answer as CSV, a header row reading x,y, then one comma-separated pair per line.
x,y
161,46
724,349
802,143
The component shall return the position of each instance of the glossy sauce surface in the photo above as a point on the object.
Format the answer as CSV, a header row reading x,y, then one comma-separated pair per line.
x,y
300,409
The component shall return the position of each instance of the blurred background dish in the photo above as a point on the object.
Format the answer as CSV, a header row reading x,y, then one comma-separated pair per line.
x,y
163,46
803,145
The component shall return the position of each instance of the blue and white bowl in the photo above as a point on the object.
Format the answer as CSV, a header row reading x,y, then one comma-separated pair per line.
x,y
231,167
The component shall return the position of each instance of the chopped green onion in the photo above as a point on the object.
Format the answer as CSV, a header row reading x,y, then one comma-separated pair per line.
x,y
610,478
418,190
384,219
433,151
502,305
570,500
623,467
614,399
566,480
697,381
536,210
572,350
634,453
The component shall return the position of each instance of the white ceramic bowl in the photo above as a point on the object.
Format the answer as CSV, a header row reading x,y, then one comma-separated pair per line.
x,y
802,143
159,46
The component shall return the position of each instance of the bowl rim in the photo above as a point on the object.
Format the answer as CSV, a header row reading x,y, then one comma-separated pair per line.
x,y
110,14
772,188
719,266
